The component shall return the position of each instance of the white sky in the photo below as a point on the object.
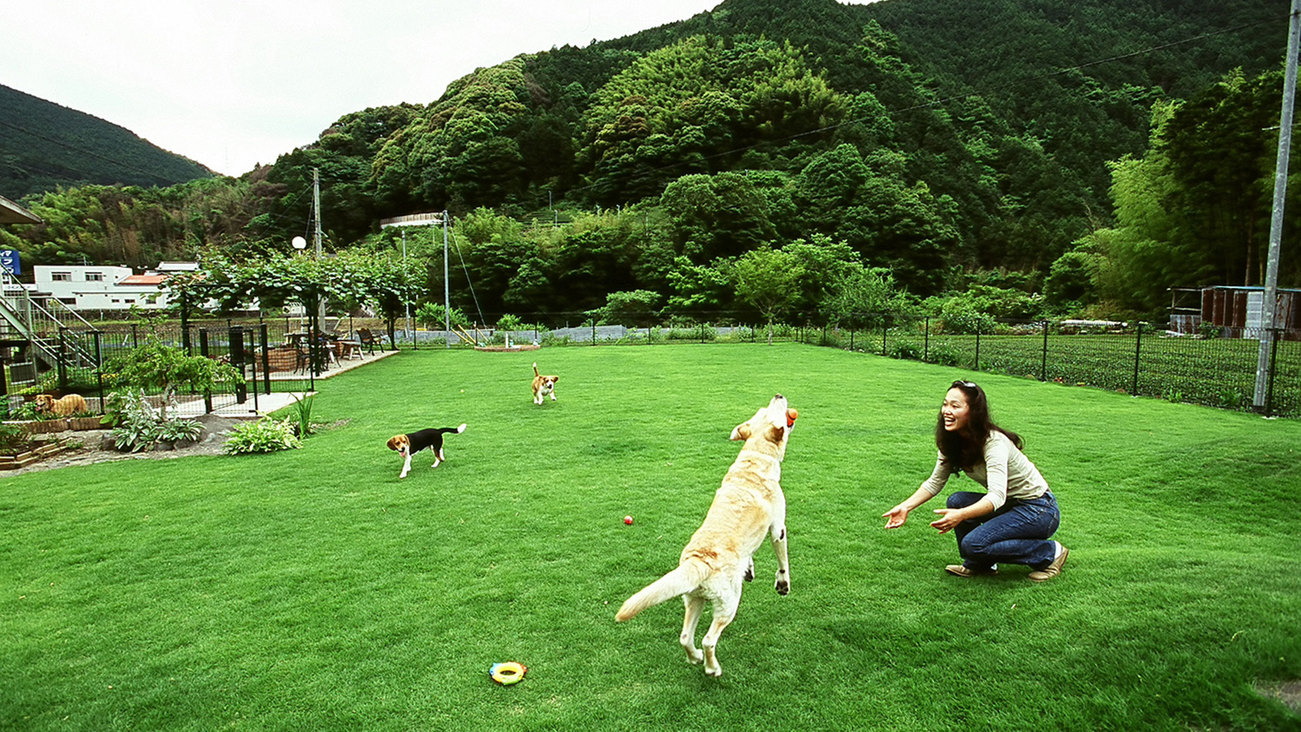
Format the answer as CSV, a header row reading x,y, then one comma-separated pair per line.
x,y
234,83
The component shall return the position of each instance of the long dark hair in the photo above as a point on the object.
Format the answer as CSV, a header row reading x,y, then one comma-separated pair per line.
x,y
966,447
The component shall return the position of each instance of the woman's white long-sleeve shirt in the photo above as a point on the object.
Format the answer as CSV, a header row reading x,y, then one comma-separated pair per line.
x,y
1007,472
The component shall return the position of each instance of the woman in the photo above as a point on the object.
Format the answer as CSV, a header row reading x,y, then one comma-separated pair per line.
x,y
1014,519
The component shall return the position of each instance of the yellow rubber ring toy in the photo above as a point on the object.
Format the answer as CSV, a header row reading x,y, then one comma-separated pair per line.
x,y
507,673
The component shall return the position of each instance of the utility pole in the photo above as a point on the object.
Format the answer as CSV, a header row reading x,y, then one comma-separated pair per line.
x,y
406,306
316,214
446,286
1268,310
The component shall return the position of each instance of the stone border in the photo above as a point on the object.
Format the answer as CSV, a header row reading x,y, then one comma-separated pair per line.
x,y
23,459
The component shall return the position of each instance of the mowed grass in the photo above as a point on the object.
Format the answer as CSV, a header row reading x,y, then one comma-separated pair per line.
x,y
312,589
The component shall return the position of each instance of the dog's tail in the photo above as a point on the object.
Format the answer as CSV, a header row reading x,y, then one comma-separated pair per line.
x,y
448,430
535,369
680,581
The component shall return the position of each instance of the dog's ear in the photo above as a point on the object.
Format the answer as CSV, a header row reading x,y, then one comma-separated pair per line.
x,y
742,432
394,441
554,379
775,433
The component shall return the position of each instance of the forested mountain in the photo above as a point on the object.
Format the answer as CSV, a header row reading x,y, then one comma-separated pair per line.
x,y
44,145
939,143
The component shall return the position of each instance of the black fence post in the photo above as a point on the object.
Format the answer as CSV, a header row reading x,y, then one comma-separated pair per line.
x,y
203,351
1043,366
63,358
926,340
185,326
1138,349
4,390
1273,369
236,339
977,347
266,359
99,368
135,336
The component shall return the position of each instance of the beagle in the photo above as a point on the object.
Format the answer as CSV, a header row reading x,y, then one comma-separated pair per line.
x,y
543,385
430,439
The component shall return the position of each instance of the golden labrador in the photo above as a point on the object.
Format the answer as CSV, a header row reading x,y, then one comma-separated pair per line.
x,y
68,405
748,507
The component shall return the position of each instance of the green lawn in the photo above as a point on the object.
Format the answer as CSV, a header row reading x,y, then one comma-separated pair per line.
x,y
313,590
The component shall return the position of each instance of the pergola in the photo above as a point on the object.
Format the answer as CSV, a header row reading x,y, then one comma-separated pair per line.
x,y
12,213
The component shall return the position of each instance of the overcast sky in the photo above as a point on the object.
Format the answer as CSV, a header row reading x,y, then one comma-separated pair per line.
x,y
234,83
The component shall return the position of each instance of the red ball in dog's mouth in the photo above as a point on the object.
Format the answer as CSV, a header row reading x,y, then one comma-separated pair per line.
x,y
791,416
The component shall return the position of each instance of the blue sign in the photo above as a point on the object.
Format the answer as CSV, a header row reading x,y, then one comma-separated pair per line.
x,y
10,262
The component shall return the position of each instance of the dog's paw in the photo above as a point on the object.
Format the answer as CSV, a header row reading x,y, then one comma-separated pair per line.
x,y
695,657
783,587
715,670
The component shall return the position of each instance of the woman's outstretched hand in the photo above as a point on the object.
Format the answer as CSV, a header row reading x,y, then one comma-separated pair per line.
x,y
895,517
948,519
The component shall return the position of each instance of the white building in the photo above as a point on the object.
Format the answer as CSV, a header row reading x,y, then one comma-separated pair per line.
x,y
105,287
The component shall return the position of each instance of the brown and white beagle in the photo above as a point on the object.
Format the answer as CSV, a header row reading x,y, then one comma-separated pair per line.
x,y
543,385
413,442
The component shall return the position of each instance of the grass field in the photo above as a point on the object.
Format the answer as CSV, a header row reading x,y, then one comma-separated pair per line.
x,y
313,590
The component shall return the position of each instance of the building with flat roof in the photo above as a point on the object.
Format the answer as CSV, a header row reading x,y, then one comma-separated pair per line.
x,y
104,287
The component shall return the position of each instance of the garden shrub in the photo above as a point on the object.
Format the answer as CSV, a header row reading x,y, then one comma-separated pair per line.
x,y
943,355
264,435
141,428
905,350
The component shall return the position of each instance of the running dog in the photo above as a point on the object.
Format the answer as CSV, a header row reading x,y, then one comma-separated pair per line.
x,y
543,385
748,507
412,443
67,406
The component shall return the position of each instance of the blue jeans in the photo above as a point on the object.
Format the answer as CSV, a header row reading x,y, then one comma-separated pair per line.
x,y
1017,533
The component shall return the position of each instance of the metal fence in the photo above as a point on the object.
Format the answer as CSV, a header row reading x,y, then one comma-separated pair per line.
x,y
1136,358
260,349
1133,358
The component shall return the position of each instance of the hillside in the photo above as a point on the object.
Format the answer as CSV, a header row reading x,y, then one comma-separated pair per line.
x,y
944,142
44,145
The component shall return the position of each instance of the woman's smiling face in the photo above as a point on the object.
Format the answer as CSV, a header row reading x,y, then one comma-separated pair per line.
x,y
955,410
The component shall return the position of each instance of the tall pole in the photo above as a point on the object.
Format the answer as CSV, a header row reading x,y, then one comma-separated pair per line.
x,y
316,235
406,305
446,286
1268,307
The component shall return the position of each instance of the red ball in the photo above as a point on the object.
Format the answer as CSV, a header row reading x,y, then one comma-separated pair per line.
x,y
627,520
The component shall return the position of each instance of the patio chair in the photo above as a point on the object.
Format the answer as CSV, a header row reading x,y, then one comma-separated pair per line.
x,y
368,340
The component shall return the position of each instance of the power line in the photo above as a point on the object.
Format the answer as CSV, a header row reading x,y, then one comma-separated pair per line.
x,y
83,151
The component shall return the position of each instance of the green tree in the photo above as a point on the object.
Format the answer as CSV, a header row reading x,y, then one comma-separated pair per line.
x,y
156,366
769,280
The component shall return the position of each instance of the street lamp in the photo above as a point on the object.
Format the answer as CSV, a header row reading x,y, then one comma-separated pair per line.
x,y
299,243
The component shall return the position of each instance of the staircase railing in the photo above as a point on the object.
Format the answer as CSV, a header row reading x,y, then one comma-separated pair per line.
x,y
42,320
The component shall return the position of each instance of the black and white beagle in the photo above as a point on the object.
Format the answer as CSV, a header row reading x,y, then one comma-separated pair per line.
x,y
430,439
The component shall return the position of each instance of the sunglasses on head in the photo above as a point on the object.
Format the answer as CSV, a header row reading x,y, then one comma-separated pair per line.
x,y
964,384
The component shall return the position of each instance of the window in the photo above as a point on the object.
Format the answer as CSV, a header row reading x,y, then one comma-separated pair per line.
x,y
94,276
61,276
